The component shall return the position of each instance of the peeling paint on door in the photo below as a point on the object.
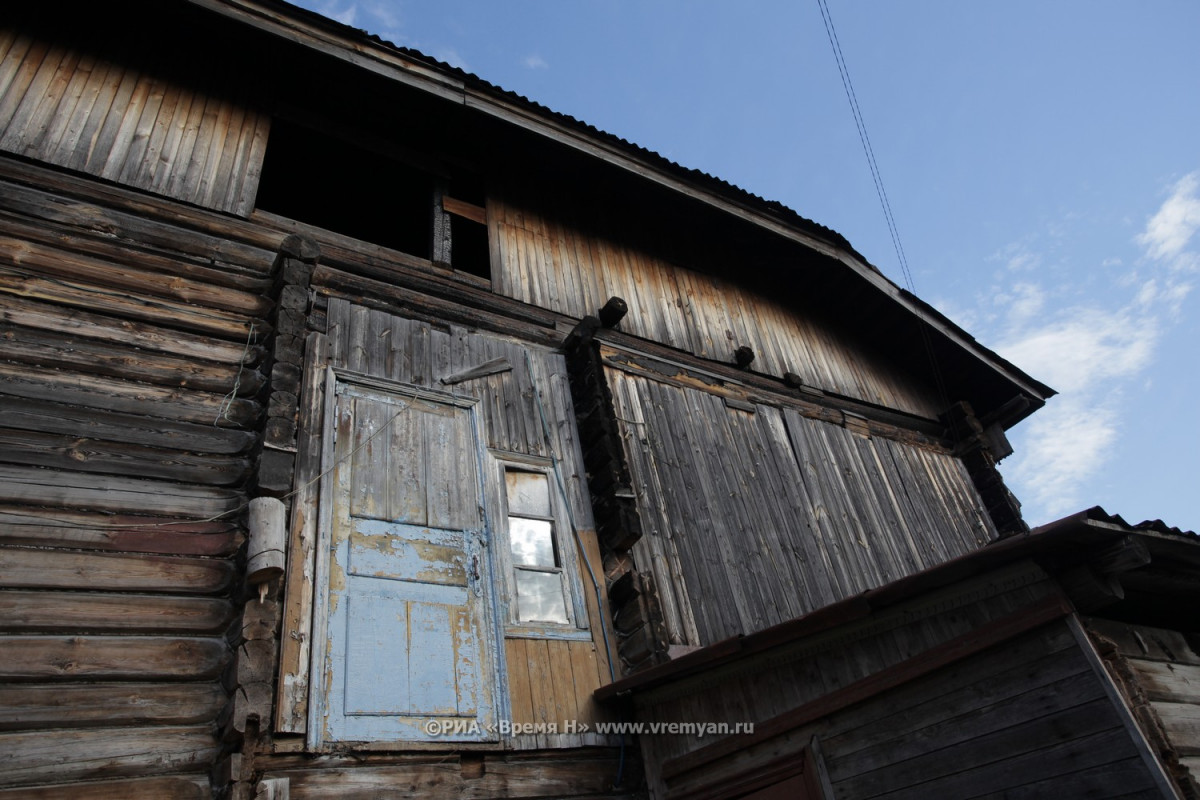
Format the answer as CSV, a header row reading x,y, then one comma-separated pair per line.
x,y
408,637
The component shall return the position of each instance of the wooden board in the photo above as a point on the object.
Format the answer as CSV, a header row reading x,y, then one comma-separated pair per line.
x,y
55,114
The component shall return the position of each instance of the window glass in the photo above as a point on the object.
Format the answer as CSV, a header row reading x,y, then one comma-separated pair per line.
x,y
540,597
532,542
528,493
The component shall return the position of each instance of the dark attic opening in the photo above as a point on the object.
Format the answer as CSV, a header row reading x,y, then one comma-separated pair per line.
x,y
312,177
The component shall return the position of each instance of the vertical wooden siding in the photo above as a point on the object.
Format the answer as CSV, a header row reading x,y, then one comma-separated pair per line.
x,y
757,518
549,680
548,263
68,108
123,443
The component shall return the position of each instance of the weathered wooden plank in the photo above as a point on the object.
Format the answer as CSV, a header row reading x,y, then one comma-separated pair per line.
x,y
1181,721
292,708
93,612
1168,681
92,391
958,727
51,417
959,757
168,313
561,671
79,209
119,458
36,78
1145,643
1042,757
174,787
519,691
45,527
94,705
44,348
111,658
102,493
46,260
66,227
63,569
60,756
539,776
1036,660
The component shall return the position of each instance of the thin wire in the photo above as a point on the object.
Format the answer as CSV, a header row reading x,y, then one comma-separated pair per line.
x,y
877,177
229,399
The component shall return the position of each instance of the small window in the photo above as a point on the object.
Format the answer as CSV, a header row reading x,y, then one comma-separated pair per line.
x,y
542,585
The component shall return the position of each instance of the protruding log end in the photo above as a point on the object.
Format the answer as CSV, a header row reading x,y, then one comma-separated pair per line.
x,y
613,312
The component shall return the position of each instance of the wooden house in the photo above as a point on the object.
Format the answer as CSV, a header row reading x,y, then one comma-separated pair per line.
x,y
369,431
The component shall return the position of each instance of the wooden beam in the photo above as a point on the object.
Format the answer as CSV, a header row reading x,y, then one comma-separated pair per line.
x,y
464,209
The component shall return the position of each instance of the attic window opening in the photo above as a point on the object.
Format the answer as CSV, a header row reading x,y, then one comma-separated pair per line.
x,y
314,178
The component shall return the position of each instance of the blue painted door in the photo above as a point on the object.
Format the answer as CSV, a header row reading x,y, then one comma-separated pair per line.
x,y
409,651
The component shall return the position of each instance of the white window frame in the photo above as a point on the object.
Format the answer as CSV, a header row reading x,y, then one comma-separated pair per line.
x,y
578,626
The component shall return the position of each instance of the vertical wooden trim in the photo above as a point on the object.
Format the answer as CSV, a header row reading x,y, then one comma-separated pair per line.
x,y
1117,699
821,786
292,707
319,644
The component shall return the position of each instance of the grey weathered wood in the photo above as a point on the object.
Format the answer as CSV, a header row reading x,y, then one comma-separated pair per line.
x,y
126,131
44,348
61,756
51,417
118,395
97,705
493,367
57,527
119,458
175,787
63,569
111,658
104,493
97,612
292,707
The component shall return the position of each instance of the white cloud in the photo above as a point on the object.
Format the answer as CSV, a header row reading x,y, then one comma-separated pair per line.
x,y
535,61
1064,444
1090,352
384,16
1171,228
1084,347
451,57
345,15
1087,354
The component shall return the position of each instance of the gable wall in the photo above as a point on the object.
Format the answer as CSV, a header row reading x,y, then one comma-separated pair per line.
x,y
69,108
552,263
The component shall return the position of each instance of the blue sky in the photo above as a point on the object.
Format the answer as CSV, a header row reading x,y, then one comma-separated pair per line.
x,y
1042,161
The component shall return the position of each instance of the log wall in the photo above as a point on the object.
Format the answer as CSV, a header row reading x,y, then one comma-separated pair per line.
x,y
549,262
72,109
130,356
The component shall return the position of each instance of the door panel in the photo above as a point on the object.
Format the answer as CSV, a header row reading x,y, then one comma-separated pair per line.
x,y
409,631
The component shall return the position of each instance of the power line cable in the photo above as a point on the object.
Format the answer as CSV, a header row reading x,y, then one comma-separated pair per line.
x,y
877,178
